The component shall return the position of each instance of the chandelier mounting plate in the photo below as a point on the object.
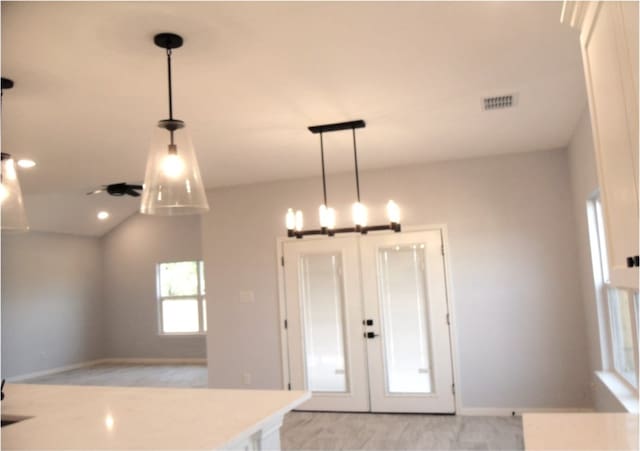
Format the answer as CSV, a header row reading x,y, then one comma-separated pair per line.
x,y
168,40
350,125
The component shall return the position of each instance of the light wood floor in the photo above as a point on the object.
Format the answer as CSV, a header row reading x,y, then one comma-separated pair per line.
x,y
320,430
128,375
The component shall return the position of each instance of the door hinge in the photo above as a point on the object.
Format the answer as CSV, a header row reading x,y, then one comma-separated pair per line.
x,y
448,320
286,324
282,261
289,385
442,248
453,388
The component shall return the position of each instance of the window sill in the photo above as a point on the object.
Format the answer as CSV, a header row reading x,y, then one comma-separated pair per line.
x,y
182,334
620,390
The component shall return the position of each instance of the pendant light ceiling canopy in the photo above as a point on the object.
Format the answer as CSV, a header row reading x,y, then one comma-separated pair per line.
x,y
12,213
295,220
172,182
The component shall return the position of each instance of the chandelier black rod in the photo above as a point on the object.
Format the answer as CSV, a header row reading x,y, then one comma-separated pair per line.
x,y
324,180
355,159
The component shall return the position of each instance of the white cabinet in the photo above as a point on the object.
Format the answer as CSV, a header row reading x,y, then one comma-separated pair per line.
x,y
609,42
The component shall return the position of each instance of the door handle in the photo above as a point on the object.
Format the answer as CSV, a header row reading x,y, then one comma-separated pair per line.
x,y
370,335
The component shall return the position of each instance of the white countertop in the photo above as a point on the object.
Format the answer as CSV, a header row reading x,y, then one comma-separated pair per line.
x,y
81,417
577,431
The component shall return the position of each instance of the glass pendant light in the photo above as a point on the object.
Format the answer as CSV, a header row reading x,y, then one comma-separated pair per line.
x,y
172,182
13,216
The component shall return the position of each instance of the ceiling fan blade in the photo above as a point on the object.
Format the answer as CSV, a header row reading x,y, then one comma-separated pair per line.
x,y
133,193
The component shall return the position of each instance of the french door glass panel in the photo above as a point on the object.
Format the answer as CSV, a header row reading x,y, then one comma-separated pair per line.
x,y
404,318
322,303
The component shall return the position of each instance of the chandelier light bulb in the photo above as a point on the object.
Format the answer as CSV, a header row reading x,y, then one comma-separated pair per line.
x,y
331,218
393,212
322,212
290,219
359,212
299,221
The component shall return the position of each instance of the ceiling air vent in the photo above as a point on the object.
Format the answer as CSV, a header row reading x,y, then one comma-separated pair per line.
x,y
499,102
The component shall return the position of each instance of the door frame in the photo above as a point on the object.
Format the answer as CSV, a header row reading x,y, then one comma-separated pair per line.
x,y
453,340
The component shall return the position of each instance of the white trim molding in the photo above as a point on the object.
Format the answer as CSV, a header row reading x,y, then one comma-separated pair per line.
x,y
516,411
60,369
621,390
115,361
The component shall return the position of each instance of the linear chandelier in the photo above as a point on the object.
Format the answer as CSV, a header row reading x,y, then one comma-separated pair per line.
x,y
295,220
172,182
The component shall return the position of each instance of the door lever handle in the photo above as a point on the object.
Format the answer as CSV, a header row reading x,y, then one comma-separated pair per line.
x,y
370,335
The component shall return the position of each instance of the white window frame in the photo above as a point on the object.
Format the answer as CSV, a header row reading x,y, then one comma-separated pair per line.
x,y
200,296
603,291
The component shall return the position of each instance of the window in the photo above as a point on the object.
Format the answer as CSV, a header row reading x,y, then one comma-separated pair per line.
x,y
617,307
182,308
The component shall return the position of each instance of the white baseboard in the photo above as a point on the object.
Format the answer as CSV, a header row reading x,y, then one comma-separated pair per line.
x,y
116,361
154,361
509,411
59,369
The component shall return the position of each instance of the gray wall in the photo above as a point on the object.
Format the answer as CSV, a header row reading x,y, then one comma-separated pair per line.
x,y
131,252
520,322
584,182
51,301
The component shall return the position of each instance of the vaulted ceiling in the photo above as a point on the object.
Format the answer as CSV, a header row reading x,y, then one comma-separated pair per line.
x,y
90,86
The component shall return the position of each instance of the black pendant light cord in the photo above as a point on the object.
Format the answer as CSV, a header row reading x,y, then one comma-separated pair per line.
x,y
170,89
170,92
355,158
324,180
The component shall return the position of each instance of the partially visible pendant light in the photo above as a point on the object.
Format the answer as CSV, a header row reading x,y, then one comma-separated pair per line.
x,y
294,220
13,216
172,182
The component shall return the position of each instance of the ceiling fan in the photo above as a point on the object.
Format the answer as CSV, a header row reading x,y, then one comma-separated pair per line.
x,y
119,189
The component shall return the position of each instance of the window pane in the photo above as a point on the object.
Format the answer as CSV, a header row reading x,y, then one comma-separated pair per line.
x,y
622,334
180,315
204,314
404,307
178,279
322,302
202,278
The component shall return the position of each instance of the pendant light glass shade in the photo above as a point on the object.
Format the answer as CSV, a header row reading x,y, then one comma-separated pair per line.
x,y
13,216
172,182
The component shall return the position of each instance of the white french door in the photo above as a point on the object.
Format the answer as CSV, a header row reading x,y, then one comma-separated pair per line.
x,y
324,314
367,322
407,321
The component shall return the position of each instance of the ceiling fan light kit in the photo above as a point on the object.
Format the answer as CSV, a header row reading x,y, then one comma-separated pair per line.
x,y
12,213
294,220
172,183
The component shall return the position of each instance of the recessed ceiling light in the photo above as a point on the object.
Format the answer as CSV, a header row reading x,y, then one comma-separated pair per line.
x,y
26,164
102,215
